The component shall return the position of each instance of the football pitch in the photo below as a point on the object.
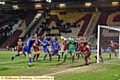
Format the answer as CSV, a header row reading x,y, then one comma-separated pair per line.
x,y
109,70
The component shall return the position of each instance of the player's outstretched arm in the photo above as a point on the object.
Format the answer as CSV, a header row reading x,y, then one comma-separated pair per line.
x,y
117,44
41,42
108,48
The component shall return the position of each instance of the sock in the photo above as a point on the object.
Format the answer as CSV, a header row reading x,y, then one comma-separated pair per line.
x,y
86,61
17,55
78,56
58,57
65,58
71,54
72,59
101,58
24,54
82,55
62,54
110,56
45,57
37,56
95,57
50,57
115,55
34,56
30,60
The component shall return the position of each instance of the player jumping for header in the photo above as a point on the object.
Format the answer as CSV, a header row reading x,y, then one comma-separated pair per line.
x,y
27,48
72,47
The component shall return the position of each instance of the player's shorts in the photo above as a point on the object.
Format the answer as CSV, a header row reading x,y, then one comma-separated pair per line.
x,y
19,48
46,50
65,49
62,50
55,52
71,51
100,52
88,52
76,49
50,49
112,50
80,49
52,45
26,49
36,48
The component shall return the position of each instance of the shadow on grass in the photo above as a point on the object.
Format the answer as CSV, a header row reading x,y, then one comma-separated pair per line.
x,y
3,68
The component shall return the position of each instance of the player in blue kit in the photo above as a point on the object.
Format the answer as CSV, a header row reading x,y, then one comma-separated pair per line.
x,y
52,42
27,48
44,43
56,48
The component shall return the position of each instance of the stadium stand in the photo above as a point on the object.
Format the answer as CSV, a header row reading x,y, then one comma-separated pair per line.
x,y
56,23
26,33
84,27
110,18
114,19
10,24
66,22
102,20
12,38
26,21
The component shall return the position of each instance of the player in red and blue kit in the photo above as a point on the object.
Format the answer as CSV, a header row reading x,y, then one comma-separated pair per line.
x,y
56,48
44,43
27,48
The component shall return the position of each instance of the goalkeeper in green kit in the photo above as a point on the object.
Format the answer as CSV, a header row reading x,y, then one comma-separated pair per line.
x,y
71,50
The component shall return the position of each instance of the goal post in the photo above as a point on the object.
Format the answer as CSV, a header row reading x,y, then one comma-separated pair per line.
x,y
98,37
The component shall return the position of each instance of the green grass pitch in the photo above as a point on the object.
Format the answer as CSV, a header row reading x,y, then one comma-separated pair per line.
x,y
109,70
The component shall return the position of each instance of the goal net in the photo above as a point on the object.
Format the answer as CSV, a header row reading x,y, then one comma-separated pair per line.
x,y
108,41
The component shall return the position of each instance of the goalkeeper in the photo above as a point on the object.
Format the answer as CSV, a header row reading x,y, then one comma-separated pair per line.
x,y
72,47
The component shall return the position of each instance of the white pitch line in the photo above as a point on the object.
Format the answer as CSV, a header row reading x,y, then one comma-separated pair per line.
x,y
64,71
70,70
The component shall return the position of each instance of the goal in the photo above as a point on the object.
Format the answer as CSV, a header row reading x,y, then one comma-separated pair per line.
x,y
105,34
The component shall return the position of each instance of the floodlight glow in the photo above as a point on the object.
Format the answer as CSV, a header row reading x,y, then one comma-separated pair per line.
x,y
62,5
15,6
37,0
38,5
115,3
2,2
49,1
88,4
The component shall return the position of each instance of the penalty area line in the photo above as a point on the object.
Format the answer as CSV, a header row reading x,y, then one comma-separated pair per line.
x,y
55,73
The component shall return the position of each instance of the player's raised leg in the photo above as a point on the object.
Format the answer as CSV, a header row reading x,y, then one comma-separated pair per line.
x,y
19,49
